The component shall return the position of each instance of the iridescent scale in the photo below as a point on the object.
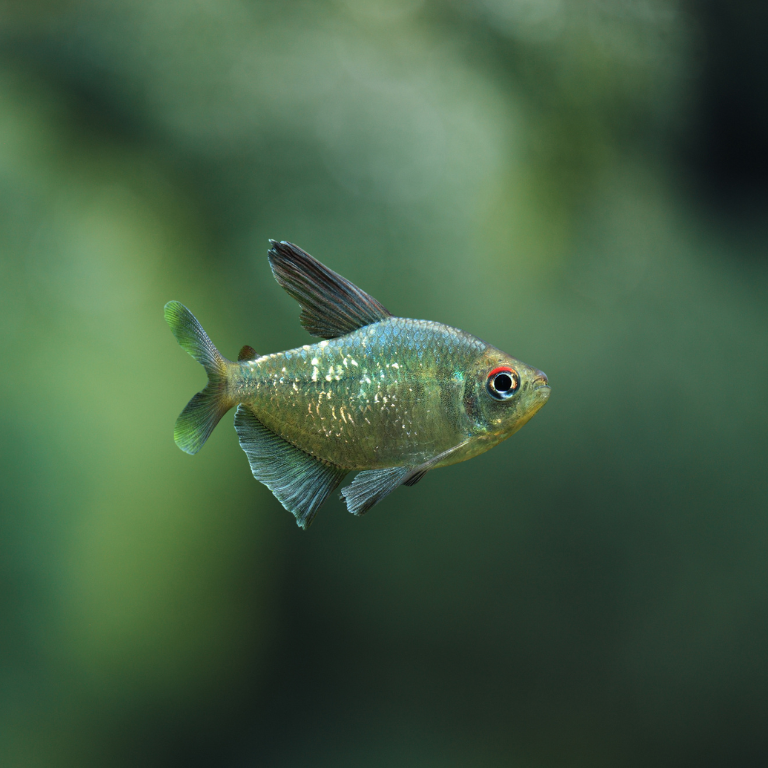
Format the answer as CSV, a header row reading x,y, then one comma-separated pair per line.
x,y
385,395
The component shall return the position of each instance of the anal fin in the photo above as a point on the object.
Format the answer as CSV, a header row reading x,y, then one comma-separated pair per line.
x,y
300,482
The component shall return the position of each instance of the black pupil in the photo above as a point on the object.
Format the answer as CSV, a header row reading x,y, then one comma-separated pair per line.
x,y
502,382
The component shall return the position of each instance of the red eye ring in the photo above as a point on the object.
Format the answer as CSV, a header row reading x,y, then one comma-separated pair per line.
x,y
503,382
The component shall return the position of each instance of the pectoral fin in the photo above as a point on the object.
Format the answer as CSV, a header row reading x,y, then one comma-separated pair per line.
x,y
331,306
300,482
371,486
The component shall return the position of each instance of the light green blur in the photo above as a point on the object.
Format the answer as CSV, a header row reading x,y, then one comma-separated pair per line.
x,y
540,173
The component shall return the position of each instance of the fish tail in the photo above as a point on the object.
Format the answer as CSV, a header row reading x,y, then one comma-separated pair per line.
x,y
205,409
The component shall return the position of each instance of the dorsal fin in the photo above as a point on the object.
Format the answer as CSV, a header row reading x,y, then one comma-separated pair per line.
x,y
331,306
247,353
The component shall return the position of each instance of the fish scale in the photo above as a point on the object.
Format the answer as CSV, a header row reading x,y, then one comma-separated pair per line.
x,y
388,397
370,393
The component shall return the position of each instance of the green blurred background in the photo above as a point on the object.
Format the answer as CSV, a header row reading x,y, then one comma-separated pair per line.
x,y
583,184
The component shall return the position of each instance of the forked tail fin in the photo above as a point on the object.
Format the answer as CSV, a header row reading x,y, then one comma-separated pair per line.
x,y
204,410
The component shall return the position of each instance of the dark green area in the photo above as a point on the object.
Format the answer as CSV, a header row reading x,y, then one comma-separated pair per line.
x,y
582,184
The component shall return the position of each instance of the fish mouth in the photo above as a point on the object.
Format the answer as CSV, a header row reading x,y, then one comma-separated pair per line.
x,y
541,383
541,386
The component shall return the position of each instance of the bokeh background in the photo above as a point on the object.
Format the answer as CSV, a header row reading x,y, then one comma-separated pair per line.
x,y
581,183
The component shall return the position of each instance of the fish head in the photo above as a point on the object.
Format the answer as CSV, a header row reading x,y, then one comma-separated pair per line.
x,y
502,393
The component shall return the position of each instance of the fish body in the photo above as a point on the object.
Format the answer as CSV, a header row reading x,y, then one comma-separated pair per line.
x,y
388,397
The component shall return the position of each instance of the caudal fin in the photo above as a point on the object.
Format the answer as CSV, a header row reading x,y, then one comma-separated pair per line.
x,y
206,408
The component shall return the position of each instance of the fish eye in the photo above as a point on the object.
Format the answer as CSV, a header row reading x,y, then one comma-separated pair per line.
x,y
503,382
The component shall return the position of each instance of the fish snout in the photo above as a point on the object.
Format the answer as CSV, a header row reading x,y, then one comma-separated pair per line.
x,y
540,380
541,390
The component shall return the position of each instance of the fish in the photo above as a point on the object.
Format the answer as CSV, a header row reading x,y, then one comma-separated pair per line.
x,y
387,397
